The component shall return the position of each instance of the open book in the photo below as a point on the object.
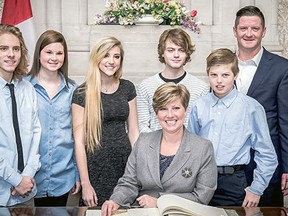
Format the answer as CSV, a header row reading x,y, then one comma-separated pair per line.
x,y
170,205
175,205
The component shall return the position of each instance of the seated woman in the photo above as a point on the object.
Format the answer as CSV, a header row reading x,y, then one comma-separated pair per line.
x,y
167,161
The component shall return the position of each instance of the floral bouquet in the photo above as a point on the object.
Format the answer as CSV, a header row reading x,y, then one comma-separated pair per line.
x,y
125,12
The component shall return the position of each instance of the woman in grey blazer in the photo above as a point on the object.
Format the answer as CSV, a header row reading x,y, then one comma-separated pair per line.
x,y
167,161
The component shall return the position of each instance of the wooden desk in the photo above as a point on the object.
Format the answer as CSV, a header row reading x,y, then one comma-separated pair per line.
x,y
80,211
255,211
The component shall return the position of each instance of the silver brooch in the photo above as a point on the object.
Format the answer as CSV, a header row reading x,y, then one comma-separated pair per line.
x,y
186,172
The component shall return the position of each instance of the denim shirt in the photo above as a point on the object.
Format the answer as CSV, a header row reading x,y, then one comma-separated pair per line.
x,y
234,124
58,171
30,132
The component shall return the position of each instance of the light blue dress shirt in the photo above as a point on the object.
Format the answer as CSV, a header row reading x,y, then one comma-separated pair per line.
x,y
234,124
58,171
30,132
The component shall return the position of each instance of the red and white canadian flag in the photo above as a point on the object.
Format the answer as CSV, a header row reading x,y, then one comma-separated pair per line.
x,y
19,13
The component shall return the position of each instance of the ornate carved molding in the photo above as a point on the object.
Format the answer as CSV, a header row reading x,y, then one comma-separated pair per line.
x,y
283,25
1,8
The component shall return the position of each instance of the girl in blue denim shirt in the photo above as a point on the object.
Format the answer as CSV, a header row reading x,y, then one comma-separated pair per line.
x,y
58,174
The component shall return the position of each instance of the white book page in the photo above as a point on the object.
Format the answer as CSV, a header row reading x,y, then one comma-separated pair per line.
x,y
143,212
129,212
172,204
92,212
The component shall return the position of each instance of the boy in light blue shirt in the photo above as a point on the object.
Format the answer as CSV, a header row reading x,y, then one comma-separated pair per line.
x,y
235,123
20,128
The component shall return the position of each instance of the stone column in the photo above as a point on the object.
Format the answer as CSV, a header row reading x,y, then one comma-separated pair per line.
x,y
1,8
283,25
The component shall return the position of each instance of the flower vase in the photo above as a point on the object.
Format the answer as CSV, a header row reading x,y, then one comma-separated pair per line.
x,y
147,19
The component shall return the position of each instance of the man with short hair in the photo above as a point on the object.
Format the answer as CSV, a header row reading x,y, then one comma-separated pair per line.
x,y
264,76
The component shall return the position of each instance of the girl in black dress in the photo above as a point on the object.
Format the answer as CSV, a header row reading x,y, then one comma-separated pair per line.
x,y
104,122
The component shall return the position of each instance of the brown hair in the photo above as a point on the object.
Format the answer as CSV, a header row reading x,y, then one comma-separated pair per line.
x,y
249,11
46,38
222,56
179,37
22,68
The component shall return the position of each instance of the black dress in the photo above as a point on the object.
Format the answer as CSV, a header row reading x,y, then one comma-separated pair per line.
x,y
108,163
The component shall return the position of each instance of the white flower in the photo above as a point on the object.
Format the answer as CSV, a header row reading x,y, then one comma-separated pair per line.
x,y
185,11
109,4
98,19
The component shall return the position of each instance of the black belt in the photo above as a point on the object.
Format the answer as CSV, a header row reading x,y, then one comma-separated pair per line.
x,y
229,169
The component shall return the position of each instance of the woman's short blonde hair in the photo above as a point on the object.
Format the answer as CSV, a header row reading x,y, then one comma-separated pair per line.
x,y
168,93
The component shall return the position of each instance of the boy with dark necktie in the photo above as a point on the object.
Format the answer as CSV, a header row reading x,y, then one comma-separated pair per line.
x,y
20,127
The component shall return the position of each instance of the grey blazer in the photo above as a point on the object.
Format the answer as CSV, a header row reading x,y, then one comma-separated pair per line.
x,y
192,174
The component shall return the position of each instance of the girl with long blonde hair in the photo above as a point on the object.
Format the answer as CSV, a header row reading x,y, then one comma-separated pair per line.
x,y
104,122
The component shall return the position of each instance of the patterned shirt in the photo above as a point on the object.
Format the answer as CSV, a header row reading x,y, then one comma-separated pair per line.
x,y
146,116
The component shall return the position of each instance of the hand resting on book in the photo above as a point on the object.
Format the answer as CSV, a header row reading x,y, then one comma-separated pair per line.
x,y
147,201
108,207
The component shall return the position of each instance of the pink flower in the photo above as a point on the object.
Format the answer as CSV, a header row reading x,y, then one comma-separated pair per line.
x,y
193,13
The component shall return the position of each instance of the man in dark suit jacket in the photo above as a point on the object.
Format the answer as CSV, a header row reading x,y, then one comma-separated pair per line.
x,y
264,76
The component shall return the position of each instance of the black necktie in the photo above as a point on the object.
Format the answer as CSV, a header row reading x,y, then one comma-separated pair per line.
x,y
16,128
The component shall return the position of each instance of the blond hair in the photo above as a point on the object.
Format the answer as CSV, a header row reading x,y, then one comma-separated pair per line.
x,y
93,105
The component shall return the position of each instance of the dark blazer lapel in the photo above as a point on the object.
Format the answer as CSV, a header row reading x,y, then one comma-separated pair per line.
x,y
262,72
153,157
180,158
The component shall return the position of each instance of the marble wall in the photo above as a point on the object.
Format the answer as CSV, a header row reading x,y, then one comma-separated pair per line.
x,y
74,18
